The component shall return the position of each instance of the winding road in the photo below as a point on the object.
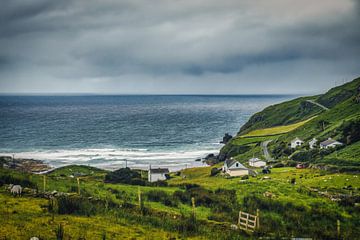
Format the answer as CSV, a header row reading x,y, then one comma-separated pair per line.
x,y
266,151
318,104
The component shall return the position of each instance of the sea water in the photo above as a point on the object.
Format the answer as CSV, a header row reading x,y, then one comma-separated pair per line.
x,y
111,131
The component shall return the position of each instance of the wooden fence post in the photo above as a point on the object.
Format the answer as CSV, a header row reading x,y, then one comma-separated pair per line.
x,y
239,218
139,198
44,182
257,218
193,206
78,185
338,228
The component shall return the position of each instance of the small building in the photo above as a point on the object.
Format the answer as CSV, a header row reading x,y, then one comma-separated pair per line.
x,y
312,143
297,142
234,168
330,143
157,174
256,162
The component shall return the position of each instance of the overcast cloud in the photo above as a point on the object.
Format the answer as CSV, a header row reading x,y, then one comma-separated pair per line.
x,y
180,46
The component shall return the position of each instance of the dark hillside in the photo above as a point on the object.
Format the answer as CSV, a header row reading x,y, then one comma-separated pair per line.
x,y
339,94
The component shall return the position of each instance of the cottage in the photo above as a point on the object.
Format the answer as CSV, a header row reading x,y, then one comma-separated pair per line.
x,y
330,143
312,143
234,168
157,174
296,143
256,162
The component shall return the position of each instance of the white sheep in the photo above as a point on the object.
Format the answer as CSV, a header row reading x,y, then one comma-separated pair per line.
x,y
15,189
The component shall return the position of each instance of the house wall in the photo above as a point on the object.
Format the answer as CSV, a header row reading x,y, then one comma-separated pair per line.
x,y
236,173
156,177
258,164
296,144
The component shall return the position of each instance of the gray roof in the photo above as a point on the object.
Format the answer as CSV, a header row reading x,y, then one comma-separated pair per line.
x,y
159,170
329,141
230,162
296,139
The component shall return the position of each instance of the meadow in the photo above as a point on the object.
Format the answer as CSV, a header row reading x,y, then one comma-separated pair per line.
x,y
285,196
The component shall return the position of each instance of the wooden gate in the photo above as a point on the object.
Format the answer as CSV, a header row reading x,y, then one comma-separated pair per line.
x,y
248,222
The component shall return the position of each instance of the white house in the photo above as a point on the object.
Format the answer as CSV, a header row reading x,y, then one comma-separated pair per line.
x,y
312,143
234,168
330,143
256,162
296,142
157,174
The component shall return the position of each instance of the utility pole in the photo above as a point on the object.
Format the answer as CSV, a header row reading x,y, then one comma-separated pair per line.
x,y
44,182
78,185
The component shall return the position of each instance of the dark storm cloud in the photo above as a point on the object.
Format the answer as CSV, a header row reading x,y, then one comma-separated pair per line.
x,y
139,46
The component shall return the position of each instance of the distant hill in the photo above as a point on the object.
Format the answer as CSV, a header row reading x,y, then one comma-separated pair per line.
x,y
334,114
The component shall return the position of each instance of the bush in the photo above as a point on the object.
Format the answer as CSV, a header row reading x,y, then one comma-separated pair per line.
x,y
305,156
278,165
351,131
215,171
245,177
161,196
126,176
77,205
9,179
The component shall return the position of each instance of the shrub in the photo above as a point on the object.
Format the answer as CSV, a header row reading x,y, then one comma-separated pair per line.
x,y
161,196
9,179
77,205
351,131
245,177
215,171
278,165
125,175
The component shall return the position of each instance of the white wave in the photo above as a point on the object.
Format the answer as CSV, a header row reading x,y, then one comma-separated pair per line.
x,y
112,158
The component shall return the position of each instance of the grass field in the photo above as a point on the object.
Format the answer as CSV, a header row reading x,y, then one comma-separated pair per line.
x,y
25,217
276,130
31,213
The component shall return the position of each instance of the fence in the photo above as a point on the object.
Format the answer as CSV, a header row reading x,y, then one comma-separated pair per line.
x,y
248,222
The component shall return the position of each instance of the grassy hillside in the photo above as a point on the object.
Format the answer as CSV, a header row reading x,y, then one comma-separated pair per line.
x,y
339,94
285,113
276,130
285,198
308,122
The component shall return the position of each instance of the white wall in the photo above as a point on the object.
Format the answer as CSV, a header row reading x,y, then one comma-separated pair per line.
x,y
235,173
156,177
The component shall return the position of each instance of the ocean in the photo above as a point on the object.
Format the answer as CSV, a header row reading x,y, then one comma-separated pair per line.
x,y
105,131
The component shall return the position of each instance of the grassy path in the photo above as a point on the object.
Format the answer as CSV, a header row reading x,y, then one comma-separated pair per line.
x,y
318,104
266,151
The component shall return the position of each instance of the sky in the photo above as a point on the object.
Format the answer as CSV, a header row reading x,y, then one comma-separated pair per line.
x,y
178,46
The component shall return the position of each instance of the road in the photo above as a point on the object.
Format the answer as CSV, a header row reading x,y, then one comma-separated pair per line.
x,y
318,104
266,151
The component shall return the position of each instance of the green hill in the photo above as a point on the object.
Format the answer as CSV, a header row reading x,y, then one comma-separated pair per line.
x,y
334,114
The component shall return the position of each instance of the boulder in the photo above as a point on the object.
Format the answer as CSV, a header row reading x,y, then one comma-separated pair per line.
x,y
227,137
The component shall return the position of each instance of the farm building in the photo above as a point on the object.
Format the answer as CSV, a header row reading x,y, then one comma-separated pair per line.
x,y
256,162
330,143
234,168
296,142
312,143
157,174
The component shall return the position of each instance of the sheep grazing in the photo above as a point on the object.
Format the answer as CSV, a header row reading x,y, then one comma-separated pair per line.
x,y
15,189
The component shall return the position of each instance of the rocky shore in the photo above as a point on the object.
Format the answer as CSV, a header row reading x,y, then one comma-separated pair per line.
x,y
24,165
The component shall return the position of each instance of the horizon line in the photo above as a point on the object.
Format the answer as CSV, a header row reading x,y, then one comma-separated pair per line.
x,y
152,94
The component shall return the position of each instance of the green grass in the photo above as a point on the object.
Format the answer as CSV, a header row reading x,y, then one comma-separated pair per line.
x,y
19,211
276,130
23,218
